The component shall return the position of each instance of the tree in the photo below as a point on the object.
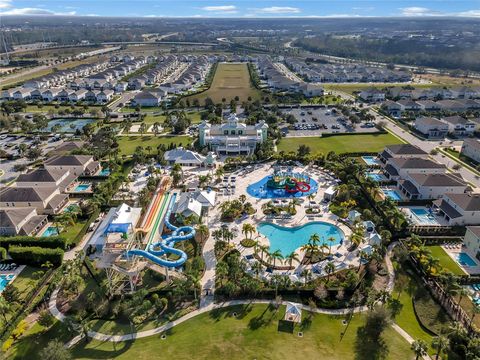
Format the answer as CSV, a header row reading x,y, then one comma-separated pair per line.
x,y
33,153
55,351
276,255
202,233
292,257
248,229
419,347
329,269
46,319
4,309
440,344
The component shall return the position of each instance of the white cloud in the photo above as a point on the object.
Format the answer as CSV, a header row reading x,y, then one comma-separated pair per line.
x,y
418,11
470,13
277,10
34,11
5,4
222,8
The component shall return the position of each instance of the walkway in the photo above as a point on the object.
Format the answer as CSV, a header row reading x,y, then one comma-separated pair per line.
x,y
207,304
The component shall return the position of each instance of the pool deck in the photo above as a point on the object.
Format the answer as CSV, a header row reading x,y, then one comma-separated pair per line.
x,y
453,252
325,180
414,219
15,273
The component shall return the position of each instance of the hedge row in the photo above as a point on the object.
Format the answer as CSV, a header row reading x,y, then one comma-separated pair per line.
x,y
380,132
3,253
35,255
51,242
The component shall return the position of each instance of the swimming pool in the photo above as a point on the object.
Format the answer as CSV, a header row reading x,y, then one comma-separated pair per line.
x,y
392,194
289,239
5,280
465,260
81,187
261,191
376,176
67,125
104,172
50,231
423,216
370,160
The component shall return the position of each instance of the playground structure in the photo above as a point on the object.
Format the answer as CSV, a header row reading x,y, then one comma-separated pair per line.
x,y
289,181
125,256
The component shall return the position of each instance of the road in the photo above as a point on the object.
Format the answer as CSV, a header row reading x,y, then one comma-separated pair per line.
x,y
426,145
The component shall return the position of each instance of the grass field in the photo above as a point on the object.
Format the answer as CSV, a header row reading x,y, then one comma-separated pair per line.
x,y
445,260
340,144
128,144
230,80
253,334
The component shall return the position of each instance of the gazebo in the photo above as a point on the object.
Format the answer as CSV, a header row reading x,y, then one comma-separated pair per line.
x,y
293,313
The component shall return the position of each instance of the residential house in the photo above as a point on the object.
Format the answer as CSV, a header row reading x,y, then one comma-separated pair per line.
x,y
401,151
459,208
471,240
421,186
459,126
399,168
21,221
471,149
46,200
147,99
50,177
431,127
78,165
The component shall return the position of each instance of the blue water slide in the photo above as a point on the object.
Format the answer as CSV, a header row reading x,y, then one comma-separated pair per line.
x,y
165,246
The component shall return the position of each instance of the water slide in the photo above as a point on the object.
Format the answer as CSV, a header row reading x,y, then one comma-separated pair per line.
x,y
301,186
155,250
154,208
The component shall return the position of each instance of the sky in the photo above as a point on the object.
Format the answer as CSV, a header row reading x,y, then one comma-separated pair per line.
x,y
243,8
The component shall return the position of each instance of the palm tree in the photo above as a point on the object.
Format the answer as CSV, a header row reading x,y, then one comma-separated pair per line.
x,y
156,128
305,274
276,255
309,249
331,240
264,249
195,280
363,256
202,233
439,343
292,257
257,268
419,347
329,269
221,270
475,311
248,229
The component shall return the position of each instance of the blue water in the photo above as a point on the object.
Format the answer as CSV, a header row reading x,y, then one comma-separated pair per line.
x,y
392,194
370,160
68,125
289,239
260,190
81,187
4,281
465,260
424,216
376,177
50,231
104,172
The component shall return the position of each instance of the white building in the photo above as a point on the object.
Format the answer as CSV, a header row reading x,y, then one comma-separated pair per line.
x,y
233,137
472,240
460,209
471,149
432,128
417,186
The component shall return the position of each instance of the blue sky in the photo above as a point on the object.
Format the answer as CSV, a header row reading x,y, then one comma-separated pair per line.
x,y
242,8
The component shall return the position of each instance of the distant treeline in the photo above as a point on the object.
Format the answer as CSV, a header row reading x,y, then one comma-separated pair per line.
x,y
460,55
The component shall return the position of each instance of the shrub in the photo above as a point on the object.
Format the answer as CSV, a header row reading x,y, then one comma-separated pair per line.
x,y
3,253
36,255
51,242
7,345
247,243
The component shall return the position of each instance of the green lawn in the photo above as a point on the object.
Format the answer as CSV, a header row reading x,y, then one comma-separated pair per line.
x,y
26,280
128,144
71,232
445,260
339,144
253,334
230,80
327,100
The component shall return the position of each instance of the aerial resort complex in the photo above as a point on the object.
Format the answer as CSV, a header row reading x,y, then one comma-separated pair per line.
x,y
239,189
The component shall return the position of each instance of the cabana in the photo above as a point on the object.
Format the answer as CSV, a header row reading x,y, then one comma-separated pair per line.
x,y
293,313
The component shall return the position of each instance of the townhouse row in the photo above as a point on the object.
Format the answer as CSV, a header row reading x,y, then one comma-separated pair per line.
x,y
342,73
438,128
26,205
417,177
400,107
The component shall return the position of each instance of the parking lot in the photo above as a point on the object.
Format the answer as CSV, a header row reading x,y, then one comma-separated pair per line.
x,y
315,121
